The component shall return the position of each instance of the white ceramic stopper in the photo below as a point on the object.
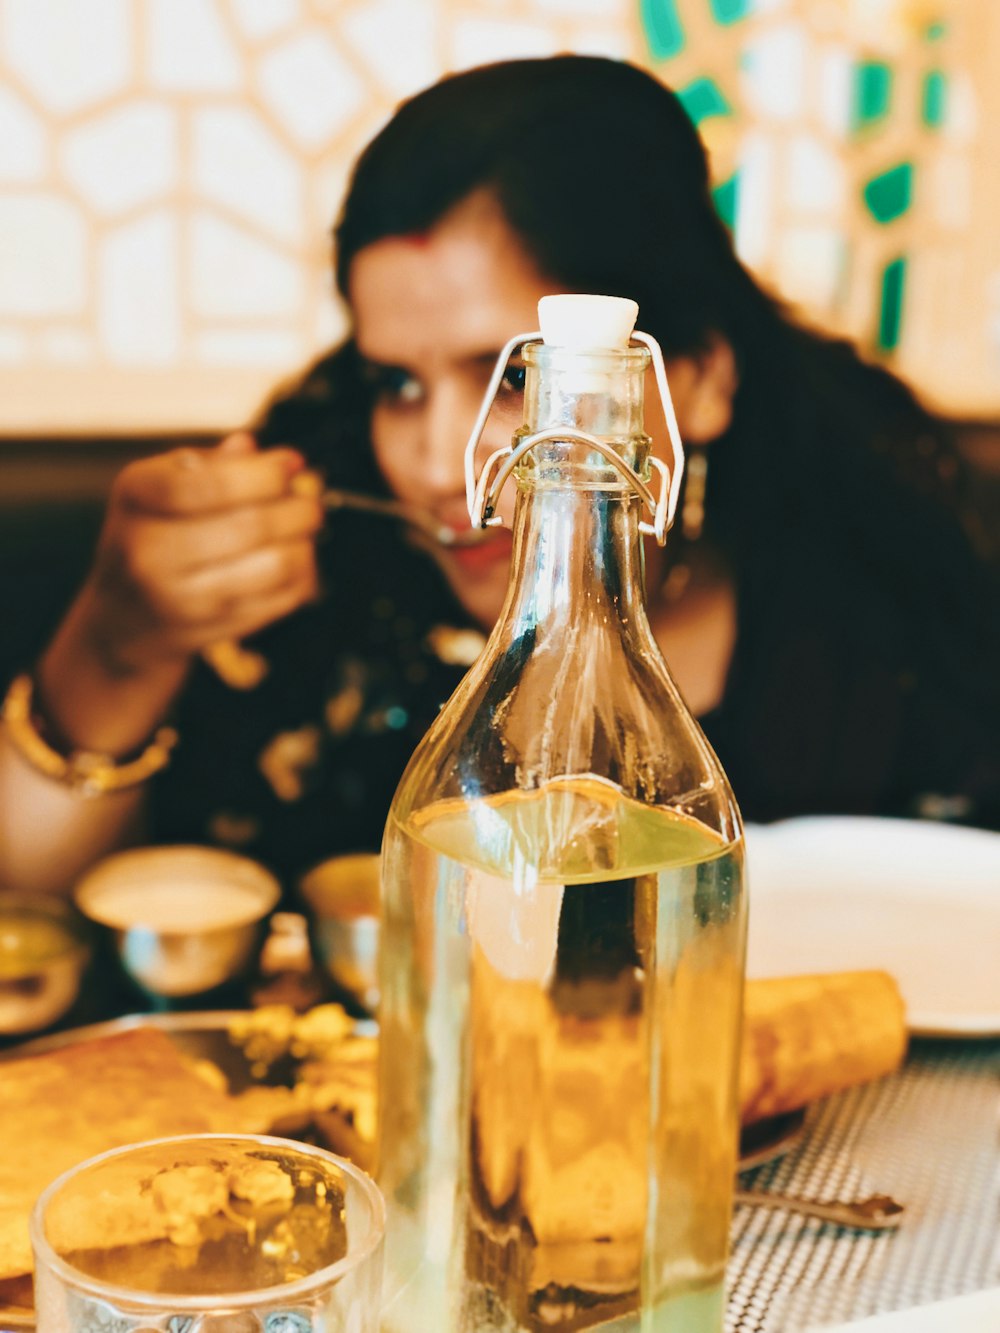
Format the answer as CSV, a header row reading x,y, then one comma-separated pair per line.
x,y
586,323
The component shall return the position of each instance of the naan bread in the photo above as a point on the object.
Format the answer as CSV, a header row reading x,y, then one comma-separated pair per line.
x,y
58,1109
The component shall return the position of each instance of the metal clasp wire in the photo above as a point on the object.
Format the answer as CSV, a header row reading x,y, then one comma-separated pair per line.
x,y
481,496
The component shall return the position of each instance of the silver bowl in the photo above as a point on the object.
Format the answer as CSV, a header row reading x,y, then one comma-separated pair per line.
x,y
43,953
183,919
342,897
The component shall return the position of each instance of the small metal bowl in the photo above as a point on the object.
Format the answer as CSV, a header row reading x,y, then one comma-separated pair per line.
x,y
43,953
184,919
342,899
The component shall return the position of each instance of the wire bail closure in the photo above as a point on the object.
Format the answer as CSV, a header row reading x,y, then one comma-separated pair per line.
x,y
482,495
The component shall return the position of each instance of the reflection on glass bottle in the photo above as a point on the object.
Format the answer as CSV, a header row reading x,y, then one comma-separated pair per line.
x,y
563,934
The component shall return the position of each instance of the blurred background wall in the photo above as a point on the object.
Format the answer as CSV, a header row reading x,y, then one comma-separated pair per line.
x,y
169,170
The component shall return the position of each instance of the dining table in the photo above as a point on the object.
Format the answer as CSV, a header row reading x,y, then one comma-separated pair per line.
x,y
927,1135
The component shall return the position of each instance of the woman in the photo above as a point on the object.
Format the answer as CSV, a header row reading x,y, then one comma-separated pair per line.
x,y
820,605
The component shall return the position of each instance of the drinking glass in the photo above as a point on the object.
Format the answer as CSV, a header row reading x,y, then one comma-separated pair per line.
x,y
209,1233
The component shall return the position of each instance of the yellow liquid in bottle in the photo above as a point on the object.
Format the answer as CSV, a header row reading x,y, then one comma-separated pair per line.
x,y
563,1027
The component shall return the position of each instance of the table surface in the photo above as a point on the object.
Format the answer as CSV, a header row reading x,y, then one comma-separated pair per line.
x,y
927,1136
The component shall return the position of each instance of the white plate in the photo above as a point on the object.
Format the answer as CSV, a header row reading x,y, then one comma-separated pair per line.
x,y
916,899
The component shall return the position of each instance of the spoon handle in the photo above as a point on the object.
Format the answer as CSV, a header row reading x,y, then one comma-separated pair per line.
x,y
410,514
369,504
878,1213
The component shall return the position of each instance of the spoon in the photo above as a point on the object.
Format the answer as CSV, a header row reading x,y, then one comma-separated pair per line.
x,y
878,1213
415,517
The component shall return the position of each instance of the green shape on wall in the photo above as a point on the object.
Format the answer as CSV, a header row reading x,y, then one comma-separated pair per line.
x,y
891,307
730,11
725,196
935,31
888,195
935,97
872,93
662,26
703,98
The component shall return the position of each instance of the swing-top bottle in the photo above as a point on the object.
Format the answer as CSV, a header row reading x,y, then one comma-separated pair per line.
x,y
563,918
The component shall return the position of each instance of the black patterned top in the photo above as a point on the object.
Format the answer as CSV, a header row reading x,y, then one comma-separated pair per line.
x,y
838,700
303,765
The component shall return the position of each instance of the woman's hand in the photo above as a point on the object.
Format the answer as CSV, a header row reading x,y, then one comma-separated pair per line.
x,y
198,545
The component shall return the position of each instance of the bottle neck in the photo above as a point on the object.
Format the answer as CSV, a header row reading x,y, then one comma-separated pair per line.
x,y
577,565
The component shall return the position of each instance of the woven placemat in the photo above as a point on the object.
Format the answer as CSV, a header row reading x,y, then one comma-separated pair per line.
x,y
927,1136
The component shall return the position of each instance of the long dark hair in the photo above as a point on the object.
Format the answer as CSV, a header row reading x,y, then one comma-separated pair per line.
x,y
604,180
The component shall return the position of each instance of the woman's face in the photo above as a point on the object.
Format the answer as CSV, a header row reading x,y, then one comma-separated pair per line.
x,y
431,314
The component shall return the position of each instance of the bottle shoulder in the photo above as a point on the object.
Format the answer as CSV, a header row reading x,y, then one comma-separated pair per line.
x,y
526,717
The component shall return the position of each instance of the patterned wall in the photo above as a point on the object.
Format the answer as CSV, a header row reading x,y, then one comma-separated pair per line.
x,y
169,170
856,147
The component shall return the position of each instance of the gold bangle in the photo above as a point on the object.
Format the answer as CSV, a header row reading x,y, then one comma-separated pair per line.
x,y
88,773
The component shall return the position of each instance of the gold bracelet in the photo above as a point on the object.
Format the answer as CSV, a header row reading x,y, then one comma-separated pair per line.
x,y
88,773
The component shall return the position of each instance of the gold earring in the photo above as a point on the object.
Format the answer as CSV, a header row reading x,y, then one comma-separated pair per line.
x,y
692,522
693,508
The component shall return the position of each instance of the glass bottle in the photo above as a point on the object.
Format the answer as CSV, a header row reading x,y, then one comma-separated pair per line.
x,y
563,925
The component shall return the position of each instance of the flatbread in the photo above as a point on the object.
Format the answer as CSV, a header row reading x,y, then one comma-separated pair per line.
x,y
60,1108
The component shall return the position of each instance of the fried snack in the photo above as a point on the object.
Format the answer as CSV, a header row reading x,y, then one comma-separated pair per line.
x,y
334,1085
342,1094
806,1037
267,1034
58,1109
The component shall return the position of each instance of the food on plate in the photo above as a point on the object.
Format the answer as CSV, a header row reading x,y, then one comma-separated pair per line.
x,y
199,1216
62,1107
266,1034
806,1037
334,1085
342,1093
